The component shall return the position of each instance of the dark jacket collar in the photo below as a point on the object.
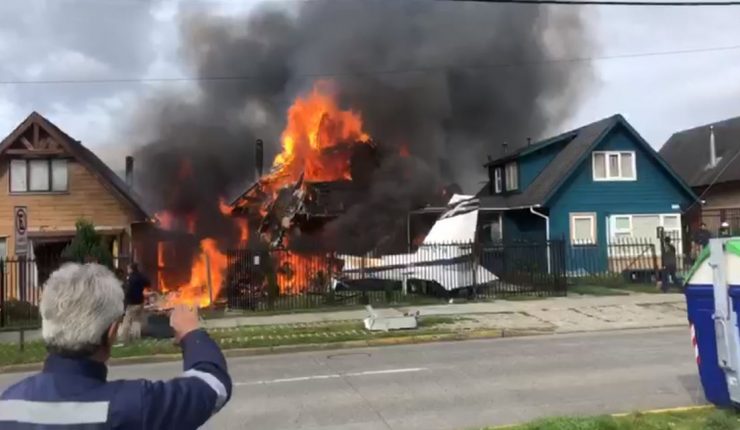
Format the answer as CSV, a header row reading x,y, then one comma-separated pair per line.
x,y
76,366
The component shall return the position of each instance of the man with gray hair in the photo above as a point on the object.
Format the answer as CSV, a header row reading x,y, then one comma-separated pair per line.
x,y
81,308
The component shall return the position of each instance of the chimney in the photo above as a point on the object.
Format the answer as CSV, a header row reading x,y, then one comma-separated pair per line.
x,y
130,171
712,148
529,141
258,158
506,147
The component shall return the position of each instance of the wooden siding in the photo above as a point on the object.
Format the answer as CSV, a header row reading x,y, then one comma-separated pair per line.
x,y
654,192
86,197
724,195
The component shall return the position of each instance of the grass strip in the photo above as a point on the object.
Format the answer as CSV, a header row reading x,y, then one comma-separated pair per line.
x,y
694,419
247,337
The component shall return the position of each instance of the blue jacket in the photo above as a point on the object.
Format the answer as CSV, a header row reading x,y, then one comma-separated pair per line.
x,y
74,394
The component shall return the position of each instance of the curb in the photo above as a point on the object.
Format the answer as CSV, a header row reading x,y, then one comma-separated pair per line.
x,y
625,414
282,349
352,344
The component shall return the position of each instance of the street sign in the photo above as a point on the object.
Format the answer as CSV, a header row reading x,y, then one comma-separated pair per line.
x,y
21,230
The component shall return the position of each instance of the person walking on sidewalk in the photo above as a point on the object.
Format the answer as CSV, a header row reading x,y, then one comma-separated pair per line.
x,y
669,265
135,285
81,309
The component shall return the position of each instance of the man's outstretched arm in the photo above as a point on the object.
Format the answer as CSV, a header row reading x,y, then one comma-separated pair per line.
x,y
188,401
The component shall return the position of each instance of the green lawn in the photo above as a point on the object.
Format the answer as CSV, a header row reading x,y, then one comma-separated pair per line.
x,y
698,419
248,337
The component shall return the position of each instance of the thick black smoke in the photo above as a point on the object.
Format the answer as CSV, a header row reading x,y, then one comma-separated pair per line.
x,y
452,81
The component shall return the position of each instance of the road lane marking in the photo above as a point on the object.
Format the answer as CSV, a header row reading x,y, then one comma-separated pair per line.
x,y
332,376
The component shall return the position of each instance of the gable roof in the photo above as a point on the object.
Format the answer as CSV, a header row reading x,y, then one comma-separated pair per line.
x,y
581,142
108,178
687,152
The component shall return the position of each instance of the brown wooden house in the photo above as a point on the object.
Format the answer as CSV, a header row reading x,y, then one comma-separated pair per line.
x,y
708,159
59,181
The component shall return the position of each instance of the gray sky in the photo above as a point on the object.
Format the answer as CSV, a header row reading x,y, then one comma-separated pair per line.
x,y
101,39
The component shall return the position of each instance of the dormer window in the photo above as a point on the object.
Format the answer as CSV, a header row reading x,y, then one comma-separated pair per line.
x,y
498,180
512,177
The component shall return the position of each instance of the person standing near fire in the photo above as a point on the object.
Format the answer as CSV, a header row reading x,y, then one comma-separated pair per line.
x,y
134,288
81,309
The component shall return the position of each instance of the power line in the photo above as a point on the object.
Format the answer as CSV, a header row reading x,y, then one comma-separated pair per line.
x,y
709,3
426,69
605,3
714,181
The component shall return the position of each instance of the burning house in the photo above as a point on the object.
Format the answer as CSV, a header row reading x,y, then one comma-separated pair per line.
x,y
352,152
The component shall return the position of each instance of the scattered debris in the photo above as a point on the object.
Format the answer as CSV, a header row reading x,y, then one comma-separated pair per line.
x,y
376,322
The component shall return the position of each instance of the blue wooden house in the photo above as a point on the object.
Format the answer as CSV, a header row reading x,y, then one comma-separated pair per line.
x,y
591,187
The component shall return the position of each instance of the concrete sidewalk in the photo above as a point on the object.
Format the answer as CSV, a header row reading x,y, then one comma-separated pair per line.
x,y
556,315
561,315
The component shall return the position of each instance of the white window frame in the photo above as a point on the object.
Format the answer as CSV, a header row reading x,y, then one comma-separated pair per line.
x,y
613,231
498,180
607,176
664,216
512,176
581,216
50,162
617,231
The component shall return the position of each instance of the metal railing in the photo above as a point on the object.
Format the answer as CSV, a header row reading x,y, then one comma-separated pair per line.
x,y
21,282
283,280
626,259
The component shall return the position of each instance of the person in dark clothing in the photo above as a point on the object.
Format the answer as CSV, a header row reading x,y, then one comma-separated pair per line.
x,y
136,283
669,265
701,240
81,309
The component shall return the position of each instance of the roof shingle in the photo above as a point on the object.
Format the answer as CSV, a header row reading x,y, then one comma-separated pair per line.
x,y
687,152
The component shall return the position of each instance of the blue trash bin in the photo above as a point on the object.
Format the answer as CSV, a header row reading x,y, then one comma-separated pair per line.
x,y
700,306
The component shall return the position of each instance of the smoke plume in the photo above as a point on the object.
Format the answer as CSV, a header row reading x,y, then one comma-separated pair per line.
x,y
451,81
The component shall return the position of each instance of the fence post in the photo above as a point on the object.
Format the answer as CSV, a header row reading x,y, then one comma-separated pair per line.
x,y
656,269
474,258
2,293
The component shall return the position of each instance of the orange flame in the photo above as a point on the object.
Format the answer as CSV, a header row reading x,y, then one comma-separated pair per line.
x,y
315,126
314,145
243,230
224,207
196,291
298,273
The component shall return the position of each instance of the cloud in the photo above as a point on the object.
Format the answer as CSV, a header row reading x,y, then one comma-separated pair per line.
x,y
60,39
664,94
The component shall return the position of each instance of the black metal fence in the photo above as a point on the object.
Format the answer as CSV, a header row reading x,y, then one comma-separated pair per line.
x,y
21,281
20,292
282,280
627,259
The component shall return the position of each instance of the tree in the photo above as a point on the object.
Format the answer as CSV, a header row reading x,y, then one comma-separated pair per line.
x,y
87,246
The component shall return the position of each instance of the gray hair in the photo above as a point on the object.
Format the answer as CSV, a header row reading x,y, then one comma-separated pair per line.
x,y
78,305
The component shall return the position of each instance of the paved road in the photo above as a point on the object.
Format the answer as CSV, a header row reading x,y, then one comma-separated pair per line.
x,y
454,385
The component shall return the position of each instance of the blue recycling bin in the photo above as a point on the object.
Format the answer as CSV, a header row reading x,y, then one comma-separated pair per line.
x,y
700,306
